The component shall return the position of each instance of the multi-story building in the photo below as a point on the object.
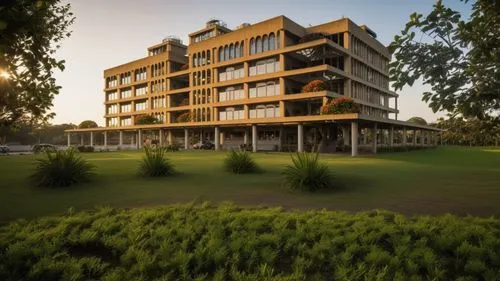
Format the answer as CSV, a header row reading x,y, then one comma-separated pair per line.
x,y
247,86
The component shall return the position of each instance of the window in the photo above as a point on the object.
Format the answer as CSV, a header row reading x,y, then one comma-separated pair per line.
x,y
111,82
126,121
126,108
237,50
231,51
264,66
112,95
141,106
272,42
113,109
231,113
230,73
221,54
241,49
252,46
194,60
265,111
112,122
126,93
226,52
258,44
140,91
265,43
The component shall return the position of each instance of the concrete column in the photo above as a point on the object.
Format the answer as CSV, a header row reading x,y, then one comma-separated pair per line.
x,y
161,137
81,139
245,137
300,138
254,138
374,138
186,138
414,137
120,138
69,139
217,138
345,135
169,137
139,139
105,139
422,137
354,136
391,136
91,138
280,139
404,137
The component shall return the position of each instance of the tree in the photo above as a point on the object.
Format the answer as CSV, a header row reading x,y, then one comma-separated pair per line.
x,y
146,120
459,59
472,131
417,120
87,124
30,33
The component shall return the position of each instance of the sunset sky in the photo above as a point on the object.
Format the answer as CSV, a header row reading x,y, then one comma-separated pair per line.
x,y
112,32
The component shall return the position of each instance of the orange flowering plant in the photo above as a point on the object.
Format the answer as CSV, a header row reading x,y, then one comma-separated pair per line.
x,y
340,106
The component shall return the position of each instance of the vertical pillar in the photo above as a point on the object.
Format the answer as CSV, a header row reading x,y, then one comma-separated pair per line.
x,y
404,137
345,135
69,139
81,139
169,137
161,137
414,137
139,139
354,137
254,138
300,138
422,137
391,136
91,138
280,139
217,138
374,138
186,138
120,138
245,137
105,139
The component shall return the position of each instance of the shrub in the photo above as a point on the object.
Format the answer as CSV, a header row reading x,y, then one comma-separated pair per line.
x,y
307,173
155,163
202,242
61,168
146,120
184,117
314,86
184,66
172,148
340,106
240,162
85,148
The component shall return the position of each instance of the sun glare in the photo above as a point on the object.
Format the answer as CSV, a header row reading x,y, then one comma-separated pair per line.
x,y
4,74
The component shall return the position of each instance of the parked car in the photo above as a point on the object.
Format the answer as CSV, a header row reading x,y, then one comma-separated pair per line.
x,y
37,148
4,149
204,145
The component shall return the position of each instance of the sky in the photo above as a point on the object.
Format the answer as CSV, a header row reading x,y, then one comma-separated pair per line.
x,y
112,32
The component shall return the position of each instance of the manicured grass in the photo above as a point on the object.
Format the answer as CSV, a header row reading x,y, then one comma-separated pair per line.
x,y
444,180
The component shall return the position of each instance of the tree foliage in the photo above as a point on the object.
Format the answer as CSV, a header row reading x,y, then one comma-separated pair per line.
x,y
30,34
472,131
417,120
146,120
459,59
88,124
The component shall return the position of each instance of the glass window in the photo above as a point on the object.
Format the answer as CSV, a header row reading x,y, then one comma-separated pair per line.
x,y
252,46
272,42
258,43
270,89
237,50
221,54
278,42
226,52
270,111
265,43
261,111
231,51
252,92
241,49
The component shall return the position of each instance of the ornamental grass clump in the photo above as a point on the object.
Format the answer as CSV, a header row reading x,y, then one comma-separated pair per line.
x,y
307,173
62,168
155,163
240,162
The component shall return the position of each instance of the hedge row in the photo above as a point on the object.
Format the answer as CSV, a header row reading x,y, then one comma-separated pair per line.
x,y
201,242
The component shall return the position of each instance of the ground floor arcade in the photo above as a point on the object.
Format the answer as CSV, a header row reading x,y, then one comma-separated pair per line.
x,y
350,136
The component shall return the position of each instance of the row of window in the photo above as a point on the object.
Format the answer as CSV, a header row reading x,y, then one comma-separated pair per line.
x,y
141,91
231,93
373,57
264,111
126,93
158,102
201,58
111,82
202,114
264,43
364,72
113,95
374,112
113,122
230,73
202,77
368,94
202,96
127,121
158,86
263,89
231,113
141,106
112,109
231,51
125,78
158,69
126,108
264,66
160,116
140,74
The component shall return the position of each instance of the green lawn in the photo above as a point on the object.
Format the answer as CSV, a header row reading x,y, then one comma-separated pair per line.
x,y
444,180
